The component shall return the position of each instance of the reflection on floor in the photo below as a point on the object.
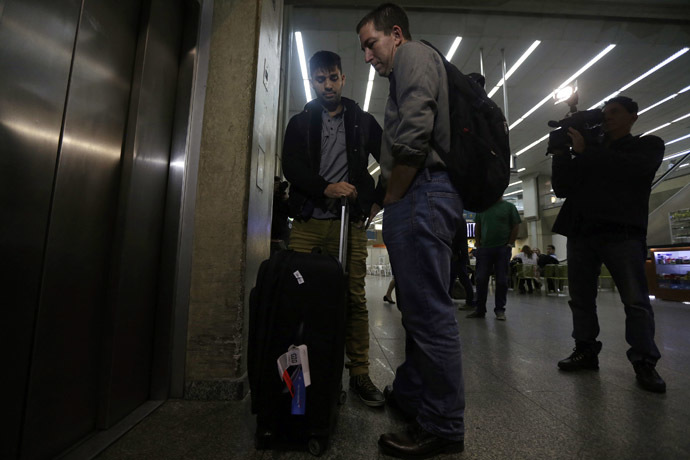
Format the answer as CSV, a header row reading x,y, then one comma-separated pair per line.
x,y
519,406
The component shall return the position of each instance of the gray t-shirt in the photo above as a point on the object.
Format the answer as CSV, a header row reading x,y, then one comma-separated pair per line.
x,y
333,166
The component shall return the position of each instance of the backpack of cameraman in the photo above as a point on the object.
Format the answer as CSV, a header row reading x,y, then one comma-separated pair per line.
x,y
478,162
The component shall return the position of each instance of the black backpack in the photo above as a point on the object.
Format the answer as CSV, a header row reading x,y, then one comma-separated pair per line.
x,y
478,162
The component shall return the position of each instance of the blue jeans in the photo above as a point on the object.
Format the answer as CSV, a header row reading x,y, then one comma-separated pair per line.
x,y
624,256
458,270
496,261
418,232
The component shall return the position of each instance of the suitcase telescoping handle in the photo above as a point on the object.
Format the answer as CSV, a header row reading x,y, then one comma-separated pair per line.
x,y
344,227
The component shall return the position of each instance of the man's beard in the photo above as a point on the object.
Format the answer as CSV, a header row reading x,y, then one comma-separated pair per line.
x,y
331,104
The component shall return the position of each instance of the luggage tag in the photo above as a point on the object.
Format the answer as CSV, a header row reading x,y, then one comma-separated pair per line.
x,y
300,379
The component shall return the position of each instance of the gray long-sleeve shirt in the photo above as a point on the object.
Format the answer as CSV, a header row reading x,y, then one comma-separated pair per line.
x,y
417,109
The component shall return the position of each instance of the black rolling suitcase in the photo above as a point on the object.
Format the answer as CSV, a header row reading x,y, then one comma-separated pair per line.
x,y
299,299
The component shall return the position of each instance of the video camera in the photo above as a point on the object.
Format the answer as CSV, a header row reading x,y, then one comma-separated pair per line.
x,y
588,122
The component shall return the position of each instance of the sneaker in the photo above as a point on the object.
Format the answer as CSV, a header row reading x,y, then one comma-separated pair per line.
x,y
367,391
476,315
648,378
581,358
501,316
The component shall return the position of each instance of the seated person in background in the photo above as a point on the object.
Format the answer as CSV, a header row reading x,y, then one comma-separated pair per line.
x,y
527,257
548,259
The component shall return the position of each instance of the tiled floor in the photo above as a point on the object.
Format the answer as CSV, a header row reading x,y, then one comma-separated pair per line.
x,y
519,406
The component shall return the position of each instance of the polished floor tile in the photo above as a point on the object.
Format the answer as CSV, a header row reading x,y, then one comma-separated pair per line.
x,y
519,405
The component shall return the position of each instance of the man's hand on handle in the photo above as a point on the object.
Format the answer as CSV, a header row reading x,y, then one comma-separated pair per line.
x,y
341,189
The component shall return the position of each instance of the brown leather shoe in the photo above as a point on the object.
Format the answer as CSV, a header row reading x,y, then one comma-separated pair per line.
x,y
417,443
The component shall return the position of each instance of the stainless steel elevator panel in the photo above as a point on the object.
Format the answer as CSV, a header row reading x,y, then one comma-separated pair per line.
x,y
65,373
131,316
36,42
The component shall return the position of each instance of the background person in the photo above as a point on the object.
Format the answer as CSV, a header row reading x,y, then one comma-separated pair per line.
x,y
605,219
496,231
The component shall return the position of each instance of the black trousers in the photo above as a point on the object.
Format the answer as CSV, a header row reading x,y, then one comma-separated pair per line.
x,y
624,255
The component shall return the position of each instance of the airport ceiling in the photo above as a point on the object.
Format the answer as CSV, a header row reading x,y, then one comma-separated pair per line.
x,y
571,34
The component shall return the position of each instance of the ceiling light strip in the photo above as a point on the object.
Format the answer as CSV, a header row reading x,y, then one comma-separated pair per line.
x,y
370,87
513,193
582,70
303,65
678,140
515,183
675,155
644,75
453,48
512,70
667,124
541,139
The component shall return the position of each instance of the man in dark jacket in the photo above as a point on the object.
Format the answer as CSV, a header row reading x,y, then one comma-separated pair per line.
x,y
325,157
607,187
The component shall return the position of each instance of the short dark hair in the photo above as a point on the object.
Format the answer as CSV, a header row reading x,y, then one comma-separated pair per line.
x,y
324,60
386,16
629,104
551,246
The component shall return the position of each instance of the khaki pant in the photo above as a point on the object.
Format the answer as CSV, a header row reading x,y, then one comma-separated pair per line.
x,y
326,235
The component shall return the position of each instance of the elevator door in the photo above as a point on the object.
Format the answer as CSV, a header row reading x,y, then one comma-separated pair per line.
x,y
85,135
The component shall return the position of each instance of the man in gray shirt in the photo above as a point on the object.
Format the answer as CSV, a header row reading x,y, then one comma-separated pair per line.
x,y
325,157
422,211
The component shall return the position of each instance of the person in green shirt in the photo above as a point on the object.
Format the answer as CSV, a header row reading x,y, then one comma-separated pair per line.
x,y
495,231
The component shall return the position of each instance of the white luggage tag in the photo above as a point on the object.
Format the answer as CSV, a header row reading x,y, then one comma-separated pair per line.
x,y
296,383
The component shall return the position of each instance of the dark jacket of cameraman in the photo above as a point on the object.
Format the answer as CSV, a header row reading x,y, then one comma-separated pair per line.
x,y
607,187
302,159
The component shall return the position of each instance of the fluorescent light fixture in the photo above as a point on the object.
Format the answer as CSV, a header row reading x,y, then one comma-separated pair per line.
x,y
453,48
678,140
370,86
513,193
517,64
541,139
521,169
684,165
667,124
378,226
676,155
582,70
672,96
651,297
515,183
303,65
644,75
375,169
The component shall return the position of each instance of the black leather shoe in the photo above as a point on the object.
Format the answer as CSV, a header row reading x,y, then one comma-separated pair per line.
x,y
416,443
581,358
476,315
648,378
367,391
395,406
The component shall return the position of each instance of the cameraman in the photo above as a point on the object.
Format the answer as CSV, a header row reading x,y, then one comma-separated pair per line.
x,y
607,185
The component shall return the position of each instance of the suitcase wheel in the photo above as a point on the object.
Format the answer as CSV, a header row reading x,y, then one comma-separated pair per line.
x,y
342,397
262,441
316,446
